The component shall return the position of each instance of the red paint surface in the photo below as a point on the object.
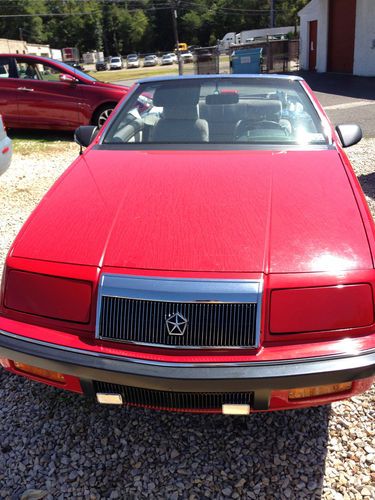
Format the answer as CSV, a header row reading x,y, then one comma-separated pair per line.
x,y
321,308
313,42
295,219
341,35
48,296
325,344
53,105
227,211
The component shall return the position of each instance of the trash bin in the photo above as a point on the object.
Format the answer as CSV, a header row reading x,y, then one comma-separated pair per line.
x,y
246,61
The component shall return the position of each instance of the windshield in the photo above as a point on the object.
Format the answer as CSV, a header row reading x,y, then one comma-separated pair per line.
x,y
259,111
76,71
115,59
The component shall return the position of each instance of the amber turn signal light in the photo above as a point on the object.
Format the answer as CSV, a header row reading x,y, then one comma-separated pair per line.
x,y
319,390
39,372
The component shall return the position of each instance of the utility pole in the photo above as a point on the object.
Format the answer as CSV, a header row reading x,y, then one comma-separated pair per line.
x,y
175,32
272,13
21,35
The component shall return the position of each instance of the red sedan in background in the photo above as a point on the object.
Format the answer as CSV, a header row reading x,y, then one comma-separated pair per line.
x,y
37,92
211,252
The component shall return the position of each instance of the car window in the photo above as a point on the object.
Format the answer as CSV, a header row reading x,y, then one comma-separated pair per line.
x,y
49,73
28,70
76,71
252,111
4,67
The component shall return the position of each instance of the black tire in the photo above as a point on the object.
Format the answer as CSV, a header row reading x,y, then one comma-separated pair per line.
x,y
102,113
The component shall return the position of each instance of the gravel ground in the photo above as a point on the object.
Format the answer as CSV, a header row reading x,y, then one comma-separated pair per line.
x,y
60,445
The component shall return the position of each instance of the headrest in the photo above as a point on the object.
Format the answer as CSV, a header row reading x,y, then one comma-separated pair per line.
x,y
177,95
222,98
264,109
183,112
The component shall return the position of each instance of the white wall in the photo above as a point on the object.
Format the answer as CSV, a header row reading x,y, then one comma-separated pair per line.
x,y
12,46
38,50
316,10
364,45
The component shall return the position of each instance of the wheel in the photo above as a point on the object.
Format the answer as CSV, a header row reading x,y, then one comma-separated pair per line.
x,y
102,114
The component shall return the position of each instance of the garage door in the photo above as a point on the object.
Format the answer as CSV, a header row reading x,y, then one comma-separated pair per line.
x,y
341,35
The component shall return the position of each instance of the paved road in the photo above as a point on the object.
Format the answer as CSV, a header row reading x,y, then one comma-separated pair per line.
x,y
346,98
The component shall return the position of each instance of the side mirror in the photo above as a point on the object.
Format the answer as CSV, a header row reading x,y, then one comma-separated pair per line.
x,y
349,134
85,134
65,78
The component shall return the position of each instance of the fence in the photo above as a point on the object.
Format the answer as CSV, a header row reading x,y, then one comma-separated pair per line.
x,y
279,56
206,60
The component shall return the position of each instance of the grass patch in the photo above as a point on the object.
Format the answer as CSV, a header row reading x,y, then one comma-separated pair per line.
x,y
28,142
137,74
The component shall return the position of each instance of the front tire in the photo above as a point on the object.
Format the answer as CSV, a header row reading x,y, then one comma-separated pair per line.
x,y
102,114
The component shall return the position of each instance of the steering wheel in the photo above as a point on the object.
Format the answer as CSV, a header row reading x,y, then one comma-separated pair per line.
x,y
245,126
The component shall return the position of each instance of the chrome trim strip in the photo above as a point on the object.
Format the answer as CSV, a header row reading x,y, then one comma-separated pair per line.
x,y
326,357
209,291
179,289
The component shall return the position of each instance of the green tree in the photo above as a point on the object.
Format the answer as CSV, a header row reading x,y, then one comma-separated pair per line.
x,y
138,25
30,27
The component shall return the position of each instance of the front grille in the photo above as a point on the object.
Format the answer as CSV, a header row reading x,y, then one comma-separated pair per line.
x,y
173,400
209,324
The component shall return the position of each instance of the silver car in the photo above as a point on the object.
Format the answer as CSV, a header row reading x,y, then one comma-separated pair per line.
x,y
167,59
5,148
151,60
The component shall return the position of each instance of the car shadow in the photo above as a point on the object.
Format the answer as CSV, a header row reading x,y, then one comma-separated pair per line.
x,y
142,453
368,184
41,135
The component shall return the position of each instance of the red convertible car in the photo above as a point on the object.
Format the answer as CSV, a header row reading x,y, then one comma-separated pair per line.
x,y
37,92
210,252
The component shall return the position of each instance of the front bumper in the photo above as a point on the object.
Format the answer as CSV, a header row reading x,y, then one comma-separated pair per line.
x,y
262,378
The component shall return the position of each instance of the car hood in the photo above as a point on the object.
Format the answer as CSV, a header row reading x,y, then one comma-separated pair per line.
x,y
121,88
211,211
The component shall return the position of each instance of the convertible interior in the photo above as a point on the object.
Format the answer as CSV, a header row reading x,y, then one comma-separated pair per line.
x,y
182,114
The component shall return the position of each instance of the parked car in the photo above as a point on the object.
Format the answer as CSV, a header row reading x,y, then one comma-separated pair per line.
x,y
76,65
166,59
187,57
151,60
101,66
48,94
212,251
133,61
5,148
173,56
116,63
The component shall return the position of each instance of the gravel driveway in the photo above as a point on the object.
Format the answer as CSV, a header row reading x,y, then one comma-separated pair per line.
x,y
64,446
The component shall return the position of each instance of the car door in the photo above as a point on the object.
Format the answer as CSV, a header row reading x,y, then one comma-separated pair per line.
x,y
8,91
44,99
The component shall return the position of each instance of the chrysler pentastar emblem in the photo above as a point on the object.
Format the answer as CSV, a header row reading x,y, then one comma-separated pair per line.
x,y
176,324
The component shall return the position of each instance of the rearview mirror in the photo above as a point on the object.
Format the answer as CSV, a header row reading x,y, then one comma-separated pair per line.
x,y
349,134
85,134
65,78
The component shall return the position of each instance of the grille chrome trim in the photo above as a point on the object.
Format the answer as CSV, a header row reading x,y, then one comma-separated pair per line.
x,y
189,293
171,400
